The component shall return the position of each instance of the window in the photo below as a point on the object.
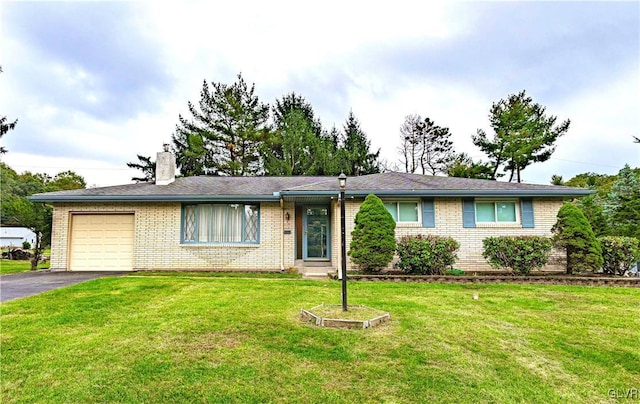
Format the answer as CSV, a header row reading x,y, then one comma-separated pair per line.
x,y
220,223
496,212
404,212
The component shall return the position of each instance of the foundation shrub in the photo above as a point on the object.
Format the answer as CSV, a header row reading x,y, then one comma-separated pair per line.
x,y
373,239
619,254
520,253
427,255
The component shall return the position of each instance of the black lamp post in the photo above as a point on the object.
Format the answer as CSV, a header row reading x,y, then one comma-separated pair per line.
x,y
342,179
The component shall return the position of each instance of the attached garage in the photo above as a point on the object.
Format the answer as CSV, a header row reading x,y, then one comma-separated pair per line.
x,y
101,242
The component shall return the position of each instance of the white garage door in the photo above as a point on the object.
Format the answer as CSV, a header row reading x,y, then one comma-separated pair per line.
x,y
101,243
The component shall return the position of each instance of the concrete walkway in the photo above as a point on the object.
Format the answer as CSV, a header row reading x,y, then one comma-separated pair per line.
x,y
14,286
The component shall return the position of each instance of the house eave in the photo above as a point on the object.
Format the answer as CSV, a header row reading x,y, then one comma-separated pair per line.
x,y
447,193
152,198
454,193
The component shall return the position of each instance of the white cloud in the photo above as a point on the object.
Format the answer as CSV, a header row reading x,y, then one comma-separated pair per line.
x,y
446,61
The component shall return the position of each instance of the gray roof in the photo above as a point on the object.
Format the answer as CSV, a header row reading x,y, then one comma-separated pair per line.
x,y
273,188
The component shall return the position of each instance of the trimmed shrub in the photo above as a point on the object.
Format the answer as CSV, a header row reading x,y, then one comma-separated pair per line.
x,y
574,233
26,245
521,253
619,254
427,255
373,240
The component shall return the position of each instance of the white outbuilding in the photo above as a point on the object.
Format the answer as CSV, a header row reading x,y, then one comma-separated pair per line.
x,y
15,236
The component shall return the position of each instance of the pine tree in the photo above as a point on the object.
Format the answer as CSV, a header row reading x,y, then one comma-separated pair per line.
x,y
147,167
523,135
225,133
463,166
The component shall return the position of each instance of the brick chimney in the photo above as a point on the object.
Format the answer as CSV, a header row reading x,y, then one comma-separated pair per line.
x,y
165,166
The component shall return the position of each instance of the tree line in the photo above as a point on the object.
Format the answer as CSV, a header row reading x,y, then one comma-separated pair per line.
x,y
614,208
17,210
231,132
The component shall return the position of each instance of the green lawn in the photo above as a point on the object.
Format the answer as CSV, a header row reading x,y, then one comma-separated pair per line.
x,y
180,339
14,266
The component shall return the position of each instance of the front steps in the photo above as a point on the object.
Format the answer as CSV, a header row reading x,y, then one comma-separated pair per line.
x,y
318,270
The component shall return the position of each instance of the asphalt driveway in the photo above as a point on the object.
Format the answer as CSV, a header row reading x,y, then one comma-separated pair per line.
x,y
25,284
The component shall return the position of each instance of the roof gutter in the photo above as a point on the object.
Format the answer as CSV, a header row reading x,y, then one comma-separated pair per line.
x,y
448,193
153,198
275,197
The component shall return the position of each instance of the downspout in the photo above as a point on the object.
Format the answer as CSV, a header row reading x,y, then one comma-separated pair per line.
x,y
281,234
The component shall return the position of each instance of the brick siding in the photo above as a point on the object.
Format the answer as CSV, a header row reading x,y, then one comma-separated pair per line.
x,y
157,243
448,214
157,239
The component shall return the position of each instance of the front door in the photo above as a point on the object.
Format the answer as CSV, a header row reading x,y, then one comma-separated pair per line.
x,y
316,238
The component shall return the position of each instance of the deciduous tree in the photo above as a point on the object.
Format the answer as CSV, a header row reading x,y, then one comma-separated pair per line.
x,y
425,146
410,143
17,210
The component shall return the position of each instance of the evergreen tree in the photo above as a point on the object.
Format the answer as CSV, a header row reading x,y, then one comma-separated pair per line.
x,y
523,135
574,233
295,102
373,241
327,154
557,180
291,148
147,167
355,154
622,208
463,166
225,132
592,206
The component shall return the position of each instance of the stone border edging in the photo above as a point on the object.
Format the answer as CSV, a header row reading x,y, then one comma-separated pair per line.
x,y
513,279
309,316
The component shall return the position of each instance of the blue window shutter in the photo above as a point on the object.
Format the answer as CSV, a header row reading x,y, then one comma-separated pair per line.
x,y
526,210
428,213
468,212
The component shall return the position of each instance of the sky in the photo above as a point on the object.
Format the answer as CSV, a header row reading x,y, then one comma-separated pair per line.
x,y
93,84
